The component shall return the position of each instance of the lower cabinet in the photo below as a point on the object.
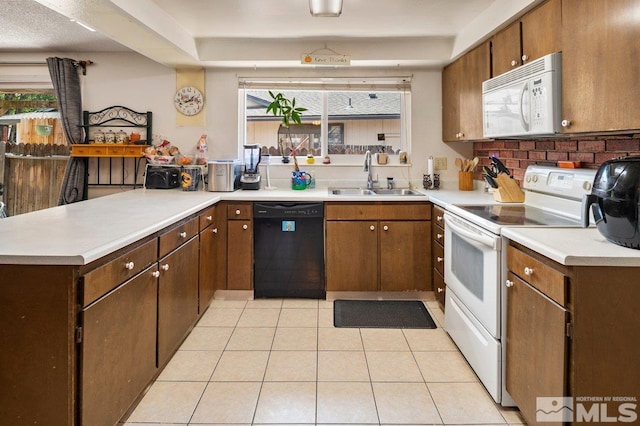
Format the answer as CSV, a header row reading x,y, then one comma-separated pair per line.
x,y
437,249
572,331
118,351
378,246
212,257
177,298
240,246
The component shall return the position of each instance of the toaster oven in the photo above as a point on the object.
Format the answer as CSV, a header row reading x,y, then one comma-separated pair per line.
x,y
162,178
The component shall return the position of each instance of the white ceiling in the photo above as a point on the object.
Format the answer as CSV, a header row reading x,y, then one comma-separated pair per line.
x,y
256,33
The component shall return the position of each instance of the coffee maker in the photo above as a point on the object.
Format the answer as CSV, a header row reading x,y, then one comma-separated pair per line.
x,y
250,178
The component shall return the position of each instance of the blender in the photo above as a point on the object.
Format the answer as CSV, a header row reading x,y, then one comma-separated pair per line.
x,y
250,178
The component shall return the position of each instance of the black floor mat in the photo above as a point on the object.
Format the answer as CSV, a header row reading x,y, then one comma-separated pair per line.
x,y
381,314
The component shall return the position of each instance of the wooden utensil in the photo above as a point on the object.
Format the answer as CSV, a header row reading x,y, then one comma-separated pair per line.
x,y
459,164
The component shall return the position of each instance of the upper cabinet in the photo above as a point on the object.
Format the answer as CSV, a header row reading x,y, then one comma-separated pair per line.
x,y
600,65
462,95
533,36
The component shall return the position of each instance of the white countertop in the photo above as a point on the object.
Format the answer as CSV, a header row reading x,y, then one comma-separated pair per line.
x,y
79,233
574,246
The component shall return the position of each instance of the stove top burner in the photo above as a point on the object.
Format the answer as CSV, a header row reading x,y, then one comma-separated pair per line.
x,y
520,215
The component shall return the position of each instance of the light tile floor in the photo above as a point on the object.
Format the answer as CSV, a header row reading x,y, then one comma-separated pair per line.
x,y
277,362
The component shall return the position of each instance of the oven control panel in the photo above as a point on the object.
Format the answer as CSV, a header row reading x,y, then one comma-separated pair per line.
x,y
570,183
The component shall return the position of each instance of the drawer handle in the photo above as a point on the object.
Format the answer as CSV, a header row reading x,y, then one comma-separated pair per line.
x,y
439,259
439,236
214,230
129,265
155,274
238,211
183,235
509,283
528,271
245,226
440,289
514,63
373,228
165,267
439,218
209,218
386,228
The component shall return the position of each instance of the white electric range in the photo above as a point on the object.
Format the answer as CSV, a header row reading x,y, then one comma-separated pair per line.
x,y
475,263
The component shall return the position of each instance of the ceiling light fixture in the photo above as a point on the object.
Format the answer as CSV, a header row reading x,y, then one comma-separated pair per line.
x,y
325,8
85,26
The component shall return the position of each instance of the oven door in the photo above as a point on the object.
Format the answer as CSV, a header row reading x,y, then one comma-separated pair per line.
x,y
472,269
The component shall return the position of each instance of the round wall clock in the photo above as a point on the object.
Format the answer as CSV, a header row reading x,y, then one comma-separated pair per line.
x,y
188,100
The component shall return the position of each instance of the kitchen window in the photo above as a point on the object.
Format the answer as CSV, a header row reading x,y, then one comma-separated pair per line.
x,y
343,117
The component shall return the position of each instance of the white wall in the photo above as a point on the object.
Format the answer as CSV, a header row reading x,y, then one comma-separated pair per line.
x,y
136,82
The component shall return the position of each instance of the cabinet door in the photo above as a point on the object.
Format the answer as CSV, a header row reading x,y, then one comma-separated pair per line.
x,y
351,255
599,65
505,49
118,353
177,297
451,81
476,69
207,279
536,347
542,31
239,255
405,256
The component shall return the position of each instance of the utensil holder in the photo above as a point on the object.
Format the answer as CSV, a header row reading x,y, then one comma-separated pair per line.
x,y
465,181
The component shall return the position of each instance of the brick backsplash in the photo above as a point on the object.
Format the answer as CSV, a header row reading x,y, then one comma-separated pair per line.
x,y
518,154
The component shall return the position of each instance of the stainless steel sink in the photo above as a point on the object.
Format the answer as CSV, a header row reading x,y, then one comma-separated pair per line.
x,y
373,192
350,191
396,191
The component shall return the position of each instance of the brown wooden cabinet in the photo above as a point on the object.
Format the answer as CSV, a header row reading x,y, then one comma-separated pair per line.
x,y
533,36
437,250
563,325
213,255
118,350
462,95
240,246
599,65
378,247
177,290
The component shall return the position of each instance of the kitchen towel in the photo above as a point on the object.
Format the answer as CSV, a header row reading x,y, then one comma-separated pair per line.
x,y
381,314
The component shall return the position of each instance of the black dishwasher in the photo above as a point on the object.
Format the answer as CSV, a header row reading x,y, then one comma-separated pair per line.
x,y
288,250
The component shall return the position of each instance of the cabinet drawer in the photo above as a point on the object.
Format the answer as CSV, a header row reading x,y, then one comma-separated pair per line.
x,y
438,216
115,151
110,275
89,150
239,211
439,287
539,275
438,258
377,211
174,237
437,232
206,218
134,151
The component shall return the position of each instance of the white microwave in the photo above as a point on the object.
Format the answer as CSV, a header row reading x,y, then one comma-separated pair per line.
x,y
525,101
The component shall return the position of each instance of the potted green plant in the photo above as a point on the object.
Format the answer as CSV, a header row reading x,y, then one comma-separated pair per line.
x,y
381,155
286,109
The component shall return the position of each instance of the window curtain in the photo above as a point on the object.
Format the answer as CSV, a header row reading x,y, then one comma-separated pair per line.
x,y
66,83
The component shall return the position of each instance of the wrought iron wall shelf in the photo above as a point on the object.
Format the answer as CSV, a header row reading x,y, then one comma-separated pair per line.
x,y
124,159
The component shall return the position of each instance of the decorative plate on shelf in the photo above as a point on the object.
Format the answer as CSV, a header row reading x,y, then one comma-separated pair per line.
x,y
188,100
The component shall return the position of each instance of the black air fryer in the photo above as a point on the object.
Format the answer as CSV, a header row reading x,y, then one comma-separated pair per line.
x,y
615,201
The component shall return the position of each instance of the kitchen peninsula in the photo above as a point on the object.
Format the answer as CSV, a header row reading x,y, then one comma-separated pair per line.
x,y
70,274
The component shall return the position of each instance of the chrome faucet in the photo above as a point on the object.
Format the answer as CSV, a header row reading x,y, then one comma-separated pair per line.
x,y
367,168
